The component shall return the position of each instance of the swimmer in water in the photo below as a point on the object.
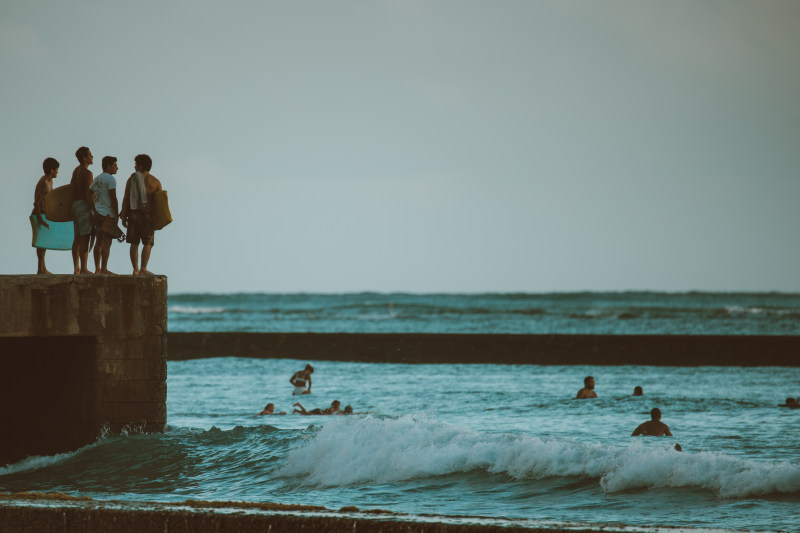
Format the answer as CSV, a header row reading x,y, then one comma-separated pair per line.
x,y
588,390
302,381
270,410
653,427
333,409
791,403
637,391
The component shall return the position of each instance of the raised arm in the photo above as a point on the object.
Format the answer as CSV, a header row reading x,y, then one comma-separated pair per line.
x,y
126,199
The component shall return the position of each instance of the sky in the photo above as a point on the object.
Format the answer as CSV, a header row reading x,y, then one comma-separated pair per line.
x,y
422,146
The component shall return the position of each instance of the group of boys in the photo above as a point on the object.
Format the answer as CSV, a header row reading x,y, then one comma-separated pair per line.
x,y
95,211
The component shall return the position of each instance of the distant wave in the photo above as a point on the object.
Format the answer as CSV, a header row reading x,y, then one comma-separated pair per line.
x,y
355,451
188,310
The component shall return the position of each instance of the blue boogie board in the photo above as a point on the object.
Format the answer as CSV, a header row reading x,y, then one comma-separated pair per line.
x,y
58,237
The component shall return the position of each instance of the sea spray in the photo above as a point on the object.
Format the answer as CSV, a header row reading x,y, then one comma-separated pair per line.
x,y
371,450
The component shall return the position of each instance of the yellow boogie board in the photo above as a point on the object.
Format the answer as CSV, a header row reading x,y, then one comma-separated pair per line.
x,y
58,237
161,214
58,204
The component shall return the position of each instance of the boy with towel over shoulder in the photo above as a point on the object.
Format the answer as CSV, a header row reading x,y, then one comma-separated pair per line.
x,y
137,213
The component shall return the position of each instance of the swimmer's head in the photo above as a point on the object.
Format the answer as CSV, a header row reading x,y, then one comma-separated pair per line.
x,y
309,369
270,407
655,413
348,410
588,381
791,401
335,404
637,391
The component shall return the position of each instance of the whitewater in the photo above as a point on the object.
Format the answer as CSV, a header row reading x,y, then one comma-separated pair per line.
x,y
476,441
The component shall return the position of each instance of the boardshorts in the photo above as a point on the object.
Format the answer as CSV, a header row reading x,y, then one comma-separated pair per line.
x,y
81,218
140,228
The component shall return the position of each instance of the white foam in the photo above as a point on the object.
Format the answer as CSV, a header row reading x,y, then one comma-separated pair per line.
x,y
36,462
362,450
188,310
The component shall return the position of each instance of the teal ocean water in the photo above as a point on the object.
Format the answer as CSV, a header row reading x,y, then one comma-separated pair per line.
x,y
473,441
694,313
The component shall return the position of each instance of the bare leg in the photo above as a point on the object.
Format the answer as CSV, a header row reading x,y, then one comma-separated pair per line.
x,y
96,253
76,246
146,257
302,409
135,258
84,254
41,268
105,252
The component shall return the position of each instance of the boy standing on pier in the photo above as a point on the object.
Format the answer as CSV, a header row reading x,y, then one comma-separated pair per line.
x,y
82,210
43,186
104,189
137,213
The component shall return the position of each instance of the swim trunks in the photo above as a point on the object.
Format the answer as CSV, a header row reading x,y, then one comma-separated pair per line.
x,y
140,228
81,218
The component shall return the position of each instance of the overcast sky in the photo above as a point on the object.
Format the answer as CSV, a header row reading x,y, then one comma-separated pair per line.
x,y
453,146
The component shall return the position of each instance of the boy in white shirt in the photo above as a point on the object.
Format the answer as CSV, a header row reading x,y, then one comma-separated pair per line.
x,y
104,188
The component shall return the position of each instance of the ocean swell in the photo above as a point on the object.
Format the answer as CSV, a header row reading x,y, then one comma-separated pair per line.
x,y
370,450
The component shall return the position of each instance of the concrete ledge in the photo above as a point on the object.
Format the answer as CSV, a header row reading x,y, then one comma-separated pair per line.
x,y
80,355
659,350
100,520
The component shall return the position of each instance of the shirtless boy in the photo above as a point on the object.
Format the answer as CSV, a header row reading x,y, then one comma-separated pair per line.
x,y
43,186
82,209
653,427
588,389
137,212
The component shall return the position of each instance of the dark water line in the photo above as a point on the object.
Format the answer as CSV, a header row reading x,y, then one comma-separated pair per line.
x,y
649,350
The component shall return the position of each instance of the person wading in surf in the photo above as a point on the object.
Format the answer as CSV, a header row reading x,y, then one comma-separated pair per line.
x,y
302,381
588,390
654,427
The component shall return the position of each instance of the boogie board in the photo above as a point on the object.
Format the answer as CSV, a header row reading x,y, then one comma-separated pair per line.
x,y
161,214
58,204
58,237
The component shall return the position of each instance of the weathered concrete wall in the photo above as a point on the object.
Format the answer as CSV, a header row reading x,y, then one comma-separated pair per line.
x,y
79,354
657,350
101,520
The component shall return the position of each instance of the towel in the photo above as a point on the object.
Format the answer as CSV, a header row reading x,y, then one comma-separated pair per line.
x,y
138,192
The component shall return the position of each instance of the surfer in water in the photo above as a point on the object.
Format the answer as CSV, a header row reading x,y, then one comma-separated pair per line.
x,y
43,186
302,381
333,409
270,410
588,390
653,427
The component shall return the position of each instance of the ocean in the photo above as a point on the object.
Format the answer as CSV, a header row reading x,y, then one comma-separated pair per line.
x,y
626,313
467,441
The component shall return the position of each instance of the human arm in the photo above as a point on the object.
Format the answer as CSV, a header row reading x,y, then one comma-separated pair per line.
x,y
126,201
38,203
667,432
638,430
112,193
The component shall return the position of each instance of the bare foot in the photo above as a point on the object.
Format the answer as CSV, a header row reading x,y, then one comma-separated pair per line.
x,y
44,271
147,272
136,272
77,271
107,273
84,271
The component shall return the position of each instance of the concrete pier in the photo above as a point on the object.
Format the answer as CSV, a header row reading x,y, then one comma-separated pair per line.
x,y
445,348
80,355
